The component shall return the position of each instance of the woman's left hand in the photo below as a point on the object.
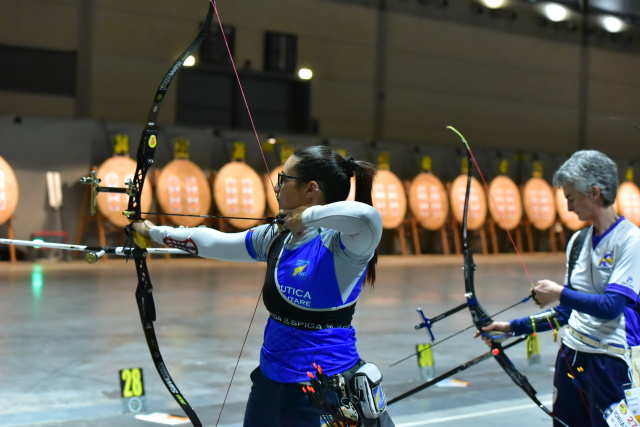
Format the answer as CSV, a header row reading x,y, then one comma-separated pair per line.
x,y
292,220
143,228
547,292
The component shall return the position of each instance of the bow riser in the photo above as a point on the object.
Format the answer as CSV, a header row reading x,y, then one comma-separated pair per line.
x,y
144,158
479,315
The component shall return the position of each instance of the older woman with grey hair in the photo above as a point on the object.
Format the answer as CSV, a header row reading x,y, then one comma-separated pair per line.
x,y
598,301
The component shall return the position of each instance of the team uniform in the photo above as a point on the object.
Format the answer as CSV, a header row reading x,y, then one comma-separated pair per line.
x,y
592,363
311,288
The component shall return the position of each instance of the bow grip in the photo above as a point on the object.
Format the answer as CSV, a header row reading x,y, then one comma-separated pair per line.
x,y
480,317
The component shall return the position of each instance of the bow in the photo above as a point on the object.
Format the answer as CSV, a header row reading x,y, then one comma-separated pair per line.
x,y
479,315
481,318
145,158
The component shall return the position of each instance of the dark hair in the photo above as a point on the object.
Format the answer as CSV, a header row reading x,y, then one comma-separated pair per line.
x,y
333,174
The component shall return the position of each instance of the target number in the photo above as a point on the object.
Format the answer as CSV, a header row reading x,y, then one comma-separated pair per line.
x,y
131,383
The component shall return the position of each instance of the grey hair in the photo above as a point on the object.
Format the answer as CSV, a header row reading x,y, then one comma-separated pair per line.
x,y
587,168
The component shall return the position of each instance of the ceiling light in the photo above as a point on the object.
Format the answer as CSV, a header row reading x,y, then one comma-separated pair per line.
x,y
494,4
612,24
556,12
305,73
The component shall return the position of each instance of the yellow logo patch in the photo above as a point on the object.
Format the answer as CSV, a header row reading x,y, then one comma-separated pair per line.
x,y
298,270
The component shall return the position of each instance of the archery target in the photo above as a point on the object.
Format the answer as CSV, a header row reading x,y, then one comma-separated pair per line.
x,y
505,204
239,192
389,198
539,203
428,201
477,202
628,202
182,188
8,191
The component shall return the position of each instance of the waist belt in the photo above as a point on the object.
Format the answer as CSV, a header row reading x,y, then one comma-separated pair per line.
x,y
306,325
592,342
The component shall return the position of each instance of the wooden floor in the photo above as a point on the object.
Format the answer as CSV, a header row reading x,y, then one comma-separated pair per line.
x,y
68,328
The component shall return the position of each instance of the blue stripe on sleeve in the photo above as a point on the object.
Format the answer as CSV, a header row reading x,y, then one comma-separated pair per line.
x,y
624,290
607,306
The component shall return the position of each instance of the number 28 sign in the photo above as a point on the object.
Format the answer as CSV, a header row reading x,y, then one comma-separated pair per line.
x,y
132,389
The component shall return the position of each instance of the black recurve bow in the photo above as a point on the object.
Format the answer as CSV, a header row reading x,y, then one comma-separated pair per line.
x,y
481,318
145,158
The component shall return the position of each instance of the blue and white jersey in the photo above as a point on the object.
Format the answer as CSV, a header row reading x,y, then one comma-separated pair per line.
x,y
316,274
610,262
322,255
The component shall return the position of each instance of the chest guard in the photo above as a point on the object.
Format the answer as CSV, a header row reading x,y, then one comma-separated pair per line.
x,y
284,311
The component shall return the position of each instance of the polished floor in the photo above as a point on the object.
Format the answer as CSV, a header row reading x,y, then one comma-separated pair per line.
x,y
67,329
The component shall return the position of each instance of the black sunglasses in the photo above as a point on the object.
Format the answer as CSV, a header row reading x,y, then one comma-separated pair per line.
x,y
282,176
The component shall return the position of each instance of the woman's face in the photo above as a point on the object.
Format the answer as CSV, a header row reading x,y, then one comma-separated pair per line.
x,y
291,193
584,205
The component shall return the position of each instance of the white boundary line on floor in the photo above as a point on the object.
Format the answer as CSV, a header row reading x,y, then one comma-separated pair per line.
x,y
466,415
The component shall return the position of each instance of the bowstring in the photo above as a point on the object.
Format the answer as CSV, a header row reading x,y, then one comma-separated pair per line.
x,y
255,132
244,98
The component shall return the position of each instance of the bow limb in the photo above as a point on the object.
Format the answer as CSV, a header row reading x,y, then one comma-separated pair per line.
x,y
148,140
145,157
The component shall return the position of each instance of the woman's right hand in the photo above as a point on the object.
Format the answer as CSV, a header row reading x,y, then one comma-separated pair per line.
x,y
498,328
292,220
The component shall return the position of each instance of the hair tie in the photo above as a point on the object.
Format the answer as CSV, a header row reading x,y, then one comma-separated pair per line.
x,y
350,162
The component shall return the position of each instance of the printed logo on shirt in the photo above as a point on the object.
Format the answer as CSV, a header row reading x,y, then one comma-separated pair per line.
x,y
606,262
297,296
628,281
326,421
299,269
